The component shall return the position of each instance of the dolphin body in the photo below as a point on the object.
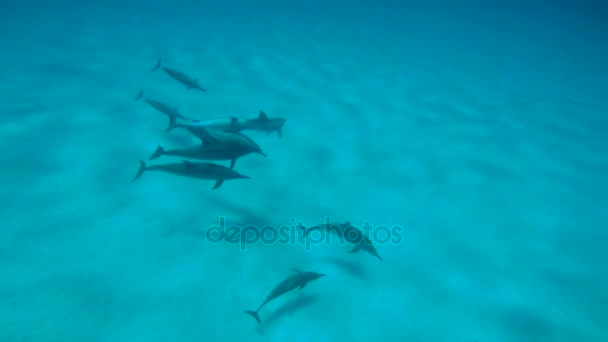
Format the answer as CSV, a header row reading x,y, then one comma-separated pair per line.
x,y
262,123
215,145
298,280
191,83
222,124
360,240
194,170
226,138
172,113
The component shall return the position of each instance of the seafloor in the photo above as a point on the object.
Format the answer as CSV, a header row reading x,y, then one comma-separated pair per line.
x,y
484,140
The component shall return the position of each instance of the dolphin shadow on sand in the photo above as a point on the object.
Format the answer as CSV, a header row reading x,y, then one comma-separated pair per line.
x,y
239,215
288,308
349,266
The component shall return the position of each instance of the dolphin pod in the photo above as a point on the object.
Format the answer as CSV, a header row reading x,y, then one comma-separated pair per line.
x,y
222,139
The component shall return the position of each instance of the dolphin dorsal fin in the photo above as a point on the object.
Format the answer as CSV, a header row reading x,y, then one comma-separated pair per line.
x,y
207,139
188,163
262,116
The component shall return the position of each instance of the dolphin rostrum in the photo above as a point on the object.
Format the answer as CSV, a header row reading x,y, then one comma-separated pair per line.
x,y
194,170
298,280
191,83
215,146
350,234
262,123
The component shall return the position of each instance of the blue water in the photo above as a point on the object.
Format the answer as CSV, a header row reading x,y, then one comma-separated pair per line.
x,y
478,128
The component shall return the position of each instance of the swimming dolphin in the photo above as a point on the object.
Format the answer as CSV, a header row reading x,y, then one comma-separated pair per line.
x,y
172,113
261,123
346,231
194,170
222,124
226,138
300,279
215,147
191,83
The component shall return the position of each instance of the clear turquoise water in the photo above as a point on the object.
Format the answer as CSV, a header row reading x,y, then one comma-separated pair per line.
x,y
478,128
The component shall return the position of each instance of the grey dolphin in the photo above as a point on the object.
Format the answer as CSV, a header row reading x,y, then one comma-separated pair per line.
x,y
298,280
262,123
350,234
226,138
191,83
194,170
215,147
171,112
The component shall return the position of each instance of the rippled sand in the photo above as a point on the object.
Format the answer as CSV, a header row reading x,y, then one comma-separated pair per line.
x,y
493,166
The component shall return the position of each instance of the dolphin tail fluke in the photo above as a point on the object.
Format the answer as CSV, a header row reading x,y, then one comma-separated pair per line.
x,y
255,315
218,184
140,94
142,168
159,152
157,65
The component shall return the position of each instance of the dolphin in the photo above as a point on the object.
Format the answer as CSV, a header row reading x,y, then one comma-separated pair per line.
x,y
191,83
215,147
172,113
361,241
226,138
298,280
223,124
262,123
194,170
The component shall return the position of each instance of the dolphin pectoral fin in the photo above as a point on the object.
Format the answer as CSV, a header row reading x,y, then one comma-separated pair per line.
x,y
255,315
303,286
232,163
218,184
140,94
157,65
355,250
159,152
142,168
172,124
